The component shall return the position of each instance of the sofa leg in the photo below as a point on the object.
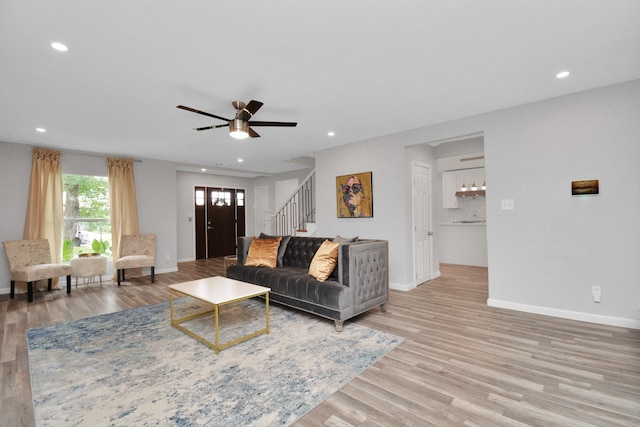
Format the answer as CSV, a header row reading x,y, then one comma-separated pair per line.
x,y
13,288
69,284
339,324
383,307
30,291
118,277
49,281
153,274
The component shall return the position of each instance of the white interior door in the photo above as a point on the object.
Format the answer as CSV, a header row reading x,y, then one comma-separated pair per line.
x,y
422,231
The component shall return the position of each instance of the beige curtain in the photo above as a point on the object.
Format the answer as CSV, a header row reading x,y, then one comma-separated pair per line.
x,y
124,210
44,218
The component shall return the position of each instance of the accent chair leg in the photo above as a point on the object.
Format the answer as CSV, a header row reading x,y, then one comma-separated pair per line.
x,y
13,288
153,274
118,277
49,280
339,324
30,291
68,284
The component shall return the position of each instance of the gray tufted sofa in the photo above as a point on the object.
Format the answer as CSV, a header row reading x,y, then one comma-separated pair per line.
x,y
359,282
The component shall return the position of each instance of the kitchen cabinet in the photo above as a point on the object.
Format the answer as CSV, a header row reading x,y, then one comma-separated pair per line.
x,y
449,188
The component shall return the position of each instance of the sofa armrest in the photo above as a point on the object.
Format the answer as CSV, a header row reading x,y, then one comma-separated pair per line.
x,y
364,261
363,266
244,242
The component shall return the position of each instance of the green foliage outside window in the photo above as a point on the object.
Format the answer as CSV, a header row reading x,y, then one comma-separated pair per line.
x,y
87,226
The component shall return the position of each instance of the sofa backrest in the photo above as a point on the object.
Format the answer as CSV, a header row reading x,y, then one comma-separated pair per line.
x,y
300,251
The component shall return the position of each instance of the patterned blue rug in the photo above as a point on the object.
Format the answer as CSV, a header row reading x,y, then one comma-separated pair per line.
x,y
132,368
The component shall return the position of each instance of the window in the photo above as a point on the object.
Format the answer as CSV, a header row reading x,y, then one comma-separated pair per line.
x,y
220,198
87,223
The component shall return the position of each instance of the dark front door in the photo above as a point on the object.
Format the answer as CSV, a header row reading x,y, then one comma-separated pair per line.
x,y
220,219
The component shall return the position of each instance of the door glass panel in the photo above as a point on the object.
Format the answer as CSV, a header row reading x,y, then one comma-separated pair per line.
x,y
220,198
199,197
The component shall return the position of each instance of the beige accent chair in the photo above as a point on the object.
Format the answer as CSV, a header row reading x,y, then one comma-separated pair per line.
x,y
137,251
29,261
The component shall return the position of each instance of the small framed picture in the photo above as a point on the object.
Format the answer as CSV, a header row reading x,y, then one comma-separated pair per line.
x,y
354,195
590,186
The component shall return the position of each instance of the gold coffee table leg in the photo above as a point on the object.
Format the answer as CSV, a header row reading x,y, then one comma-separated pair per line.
x,y
216,307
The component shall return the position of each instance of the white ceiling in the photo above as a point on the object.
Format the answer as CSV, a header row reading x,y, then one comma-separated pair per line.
x,y
359,68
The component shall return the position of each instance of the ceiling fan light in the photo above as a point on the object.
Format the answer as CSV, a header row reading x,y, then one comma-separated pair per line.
x,y
238,129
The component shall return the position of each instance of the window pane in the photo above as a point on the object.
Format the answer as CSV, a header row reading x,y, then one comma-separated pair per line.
x,y
199,197
87,225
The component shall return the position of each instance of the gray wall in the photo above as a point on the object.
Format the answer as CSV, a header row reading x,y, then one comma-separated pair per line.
x,y
544,256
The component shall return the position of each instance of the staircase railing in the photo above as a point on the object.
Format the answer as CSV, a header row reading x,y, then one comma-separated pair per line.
x,y
298,210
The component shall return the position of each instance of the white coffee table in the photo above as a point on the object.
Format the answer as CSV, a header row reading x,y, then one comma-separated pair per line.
x,y
217,291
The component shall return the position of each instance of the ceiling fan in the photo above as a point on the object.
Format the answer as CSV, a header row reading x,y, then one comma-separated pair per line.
x,y
240,125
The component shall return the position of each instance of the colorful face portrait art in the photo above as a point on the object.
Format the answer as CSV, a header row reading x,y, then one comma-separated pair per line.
x,y
354,198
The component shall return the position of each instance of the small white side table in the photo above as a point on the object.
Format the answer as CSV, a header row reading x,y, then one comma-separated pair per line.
x,y
88,267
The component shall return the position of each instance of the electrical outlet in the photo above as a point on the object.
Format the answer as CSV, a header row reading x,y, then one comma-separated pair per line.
x,y
596,291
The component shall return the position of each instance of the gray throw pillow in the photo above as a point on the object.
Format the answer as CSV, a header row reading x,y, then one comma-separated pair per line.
x,y
340,239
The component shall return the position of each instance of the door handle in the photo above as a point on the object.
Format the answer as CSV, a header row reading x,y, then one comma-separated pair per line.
x,y
209,228
429,233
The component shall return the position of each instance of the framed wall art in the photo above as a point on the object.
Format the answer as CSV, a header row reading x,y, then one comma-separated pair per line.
x,y
590,186
354,195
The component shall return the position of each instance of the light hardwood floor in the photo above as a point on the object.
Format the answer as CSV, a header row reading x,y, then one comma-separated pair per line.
x,y
462,363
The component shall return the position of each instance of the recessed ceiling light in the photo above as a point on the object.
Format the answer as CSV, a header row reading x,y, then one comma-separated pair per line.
x,y
41,130
203,170
562,74
331,133
240,160
59,47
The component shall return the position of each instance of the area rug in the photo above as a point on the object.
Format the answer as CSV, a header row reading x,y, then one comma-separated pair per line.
x,y
132,368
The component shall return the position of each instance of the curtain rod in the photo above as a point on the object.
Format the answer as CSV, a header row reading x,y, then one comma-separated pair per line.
x,y
85,153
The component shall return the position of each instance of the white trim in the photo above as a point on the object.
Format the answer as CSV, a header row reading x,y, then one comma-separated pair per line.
x,y
566,314
413,285
398,287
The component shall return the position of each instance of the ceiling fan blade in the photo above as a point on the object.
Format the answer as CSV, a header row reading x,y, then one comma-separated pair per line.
x,y
193,110
249,110
253,106
253,133
211,127
285,124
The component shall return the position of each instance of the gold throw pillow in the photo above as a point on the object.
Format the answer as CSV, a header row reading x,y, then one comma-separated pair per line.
x,y
263,252
324,261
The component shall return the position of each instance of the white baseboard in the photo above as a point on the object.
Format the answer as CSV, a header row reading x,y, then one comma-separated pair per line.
x,y
166,270
566,314
399,287
409,286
